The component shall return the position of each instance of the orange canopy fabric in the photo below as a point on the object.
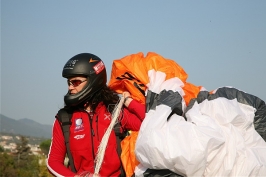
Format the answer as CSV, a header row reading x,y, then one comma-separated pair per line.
x,y
128,157
130,73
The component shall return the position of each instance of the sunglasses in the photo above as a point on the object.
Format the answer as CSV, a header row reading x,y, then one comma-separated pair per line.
x,y
75,82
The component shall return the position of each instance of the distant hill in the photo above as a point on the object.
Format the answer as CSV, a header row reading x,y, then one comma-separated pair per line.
x,y
26,127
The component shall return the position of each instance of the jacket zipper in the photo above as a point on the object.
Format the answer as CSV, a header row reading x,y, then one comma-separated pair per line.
x,y
92,135
97,130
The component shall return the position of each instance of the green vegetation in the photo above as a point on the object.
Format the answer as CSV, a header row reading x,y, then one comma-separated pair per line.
x,y
23,163
45,146
1,149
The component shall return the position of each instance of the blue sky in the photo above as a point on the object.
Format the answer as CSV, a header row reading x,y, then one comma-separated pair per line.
x,y
218,43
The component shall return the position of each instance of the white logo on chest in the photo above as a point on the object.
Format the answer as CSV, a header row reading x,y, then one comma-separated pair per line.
x,y
107,116
79,136
79,125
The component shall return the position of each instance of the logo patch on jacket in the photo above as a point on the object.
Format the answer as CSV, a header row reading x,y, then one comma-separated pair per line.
x,y
79,125
79,136
107,116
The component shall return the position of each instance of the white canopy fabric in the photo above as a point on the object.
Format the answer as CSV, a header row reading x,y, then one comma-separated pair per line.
x,y
213,136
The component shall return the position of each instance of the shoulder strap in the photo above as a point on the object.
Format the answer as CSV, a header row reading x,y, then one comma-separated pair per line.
x,y
119,137
64,116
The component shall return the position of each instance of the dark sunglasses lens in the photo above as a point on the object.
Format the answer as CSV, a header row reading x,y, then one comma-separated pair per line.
x,y
75,83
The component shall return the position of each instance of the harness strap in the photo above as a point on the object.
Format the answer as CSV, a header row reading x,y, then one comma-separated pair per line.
x,y
64,118
119,137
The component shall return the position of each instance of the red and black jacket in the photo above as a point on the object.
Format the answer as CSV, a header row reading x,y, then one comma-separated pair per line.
x,y
86,133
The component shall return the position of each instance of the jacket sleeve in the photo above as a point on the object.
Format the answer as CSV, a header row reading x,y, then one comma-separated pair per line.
x,y
133,115
57,152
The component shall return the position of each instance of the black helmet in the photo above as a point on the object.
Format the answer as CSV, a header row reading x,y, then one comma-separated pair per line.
x,y
89,66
